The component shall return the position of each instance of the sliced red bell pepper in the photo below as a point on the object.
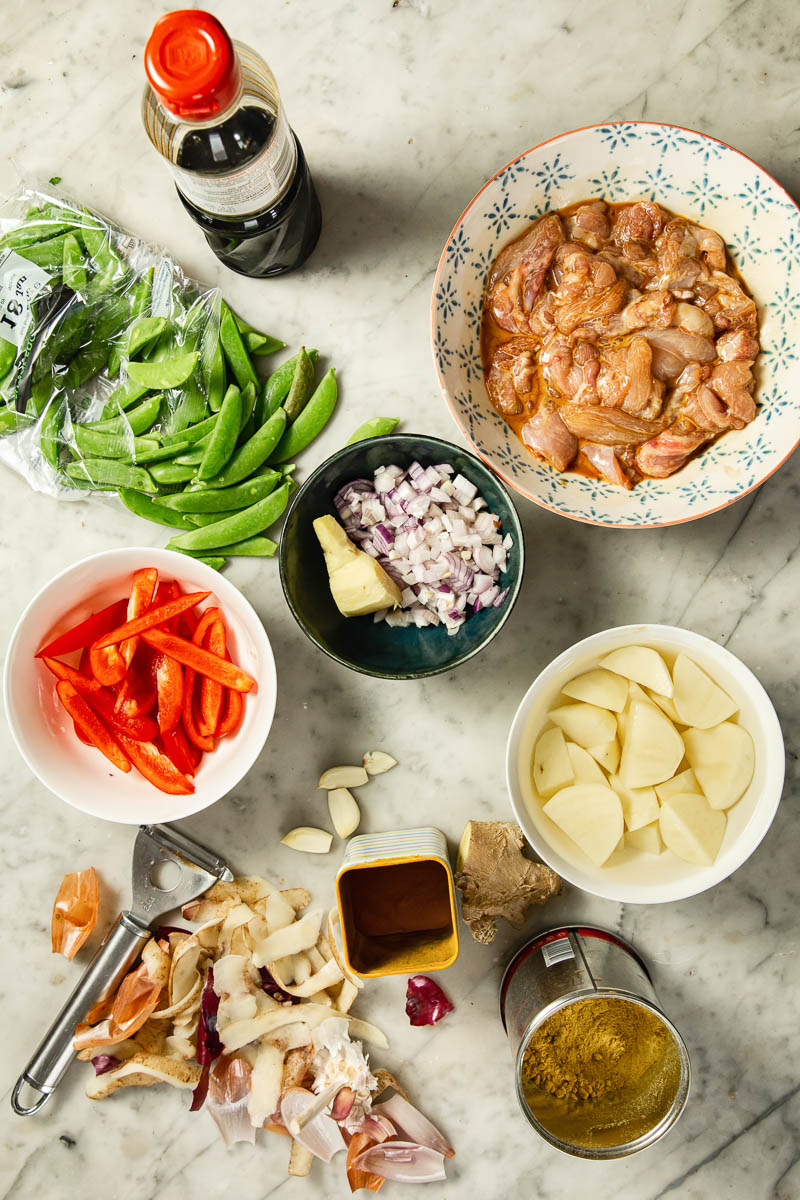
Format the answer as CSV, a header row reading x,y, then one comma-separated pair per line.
x,y
232,711
195,753
157,767
84,665
177,749
150,619
169,685
140,599
82,683
205,621
108,665
210,690
81,736
167,591
200,660
86,631
137,694
92,726
201,741
142,729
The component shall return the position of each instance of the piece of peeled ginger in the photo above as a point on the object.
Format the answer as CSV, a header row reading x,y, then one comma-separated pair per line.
x,y
359,585
692,829
591,815
723,760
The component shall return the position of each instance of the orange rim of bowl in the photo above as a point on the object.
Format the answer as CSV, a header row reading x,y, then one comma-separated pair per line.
x,y
512,483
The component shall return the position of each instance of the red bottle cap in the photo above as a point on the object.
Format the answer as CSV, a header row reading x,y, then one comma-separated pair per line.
x,y
191,64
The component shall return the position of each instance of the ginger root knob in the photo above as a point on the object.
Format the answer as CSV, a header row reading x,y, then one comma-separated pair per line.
x,y
496,879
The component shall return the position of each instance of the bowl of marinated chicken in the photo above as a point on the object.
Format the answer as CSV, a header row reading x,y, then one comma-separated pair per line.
x,y
614,319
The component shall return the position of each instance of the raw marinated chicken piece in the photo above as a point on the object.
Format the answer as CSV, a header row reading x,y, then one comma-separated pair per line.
x,y
679,266
519,272
579,273
548,437
512,381
729,307
570,372
596,304
650,308
711,248
605,462
640,222
692,319
739,344
625,379
668,452
609,426
688,346
590,225
705,410
733,382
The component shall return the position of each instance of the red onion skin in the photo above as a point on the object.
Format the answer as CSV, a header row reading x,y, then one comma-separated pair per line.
x,y
426,1003
105,1062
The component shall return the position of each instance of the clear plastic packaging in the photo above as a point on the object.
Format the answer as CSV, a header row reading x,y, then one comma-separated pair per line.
x,y
108,352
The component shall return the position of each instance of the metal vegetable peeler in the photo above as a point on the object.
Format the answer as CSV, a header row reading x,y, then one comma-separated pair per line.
x,y
168,870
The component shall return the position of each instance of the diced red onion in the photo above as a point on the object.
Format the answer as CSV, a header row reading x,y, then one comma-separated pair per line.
x,y
105,1062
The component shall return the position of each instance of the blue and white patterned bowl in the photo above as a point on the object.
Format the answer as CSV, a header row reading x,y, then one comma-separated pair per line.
x,y
695,176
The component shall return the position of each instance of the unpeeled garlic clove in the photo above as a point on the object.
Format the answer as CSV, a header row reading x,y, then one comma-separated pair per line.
x,y
344,811
342,777
377,762
308,839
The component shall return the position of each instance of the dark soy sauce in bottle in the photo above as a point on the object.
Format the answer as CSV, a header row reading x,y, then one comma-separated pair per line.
x,y
213,110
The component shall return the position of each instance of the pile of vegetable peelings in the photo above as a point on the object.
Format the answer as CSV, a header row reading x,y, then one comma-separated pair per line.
x,y
155,688
190,437
250,1012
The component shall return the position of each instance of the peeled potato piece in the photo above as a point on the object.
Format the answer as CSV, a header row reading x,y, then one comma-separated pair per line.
x,y
591,815
585,724
552,768
685,782
642,664
692,829
607,755
603,688
648,839
584,767
639,805
653,748
666,705
723,759
699,701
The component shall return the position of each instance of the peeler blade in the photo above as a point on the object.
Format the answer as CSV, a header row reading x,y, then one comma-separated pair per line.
x,y
170,869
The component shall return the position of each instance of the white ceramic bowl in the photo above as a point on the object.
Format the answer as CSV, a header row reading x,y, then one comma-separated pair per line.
x,y
43,731
646,878
695,176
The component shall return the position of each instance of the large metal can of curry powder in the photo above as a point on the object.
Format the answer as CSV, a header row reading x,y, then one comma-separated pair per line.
x,y
601,1071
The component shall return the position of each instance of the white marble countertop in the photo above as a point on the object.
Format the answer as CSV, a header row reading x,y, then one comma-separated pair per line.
x,y
404,110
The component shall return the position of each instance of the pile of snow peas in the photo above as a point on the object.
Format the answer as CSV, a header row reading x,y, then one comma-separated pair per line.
x,y
131,382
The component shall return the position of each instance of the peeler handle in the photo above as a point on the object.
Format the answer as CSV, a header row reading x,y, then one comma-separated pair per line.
x,y
100,979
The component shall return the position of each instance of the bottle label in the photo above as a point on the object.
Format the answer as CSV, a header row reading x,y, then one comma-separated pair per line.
x,y
255,186
21,282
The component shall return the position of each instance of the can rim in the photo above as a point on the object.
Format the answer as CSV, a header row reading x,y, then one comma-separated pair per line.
x,y
599,1153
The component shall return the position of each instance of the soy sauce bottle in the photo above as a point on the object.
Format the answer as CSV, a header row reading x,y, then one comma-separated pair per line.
x,y
213,110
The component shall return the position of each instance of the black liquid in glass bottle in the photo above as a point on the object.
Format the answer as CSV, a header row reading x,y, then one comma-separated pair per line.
x,y
213,110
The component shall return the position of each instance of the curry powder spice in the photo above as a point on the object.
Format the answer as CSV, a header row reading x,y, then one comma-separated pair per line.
x,y
601,1065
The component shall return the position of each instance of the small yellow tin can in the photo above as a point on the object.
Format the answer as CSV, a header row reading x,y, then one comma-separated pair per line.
x,y
397,903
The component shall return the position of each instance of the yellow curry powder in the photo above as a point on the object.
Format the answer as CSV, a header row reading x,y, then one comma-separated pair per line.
x,y
601,1072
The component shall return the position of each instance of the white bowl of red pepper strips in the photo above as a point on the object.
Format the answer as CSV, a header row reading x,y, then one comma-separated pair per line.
x,y
163,719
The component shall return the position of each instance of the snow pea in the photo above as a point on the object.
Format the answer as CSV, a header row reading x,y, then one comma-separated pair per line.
x,y
137,421
32,232
276,389
215,562
234,348
124,396
248,404
109,445
261,547
241,525
73,264
189,410
222,441
249,457
138,300
159,453
311,421
170,472
193,433
376,427
301,387
143,332
168,373
191,454
109,472
50,431
212,500
143,506
256,341
8,356
97,240
46,255
214,375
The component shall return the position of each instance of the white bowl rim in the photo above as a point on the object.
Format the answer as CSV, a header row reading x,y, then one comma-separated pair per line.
x,y
763,815
508,480
181,806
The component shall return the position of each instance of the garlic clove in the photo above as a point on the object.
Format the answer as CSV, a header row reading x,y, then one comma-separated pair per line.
x,y
308,839
377,762
342,777
344,811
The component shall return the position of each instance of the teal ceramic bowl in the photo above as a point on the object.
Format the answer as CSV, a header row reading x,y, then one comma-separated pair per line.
x,y
357,642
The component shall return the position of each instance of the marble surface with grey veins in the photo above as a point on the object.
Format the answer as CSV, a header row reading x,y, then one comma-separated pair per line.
x,y
404,109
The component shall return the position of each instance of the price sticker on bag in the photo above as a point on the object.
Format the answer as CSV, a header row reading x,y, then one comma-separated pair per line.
x,y
21,283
